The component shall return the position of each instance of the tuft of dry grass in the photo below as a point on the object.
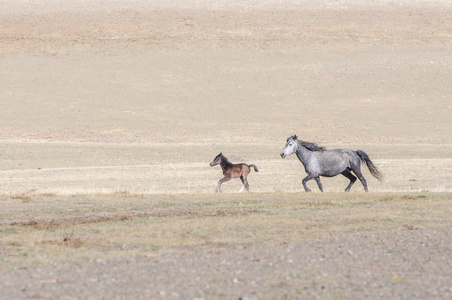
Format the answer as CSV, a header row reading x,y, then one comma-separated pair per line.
x,y
71,240
22,196
387,197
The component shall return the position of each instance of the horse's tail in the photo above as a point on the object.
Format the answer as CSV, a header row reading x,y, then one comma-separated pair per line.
x,y
255,168
370,165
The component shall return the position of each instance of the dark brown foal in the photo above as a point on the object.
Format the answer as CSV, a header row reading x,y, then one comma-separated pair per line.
x,y
231,170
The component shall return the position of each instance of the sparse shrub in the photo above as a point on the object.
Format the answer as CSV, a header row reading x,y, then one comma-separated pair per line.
x,y
25,198
387,197
72,241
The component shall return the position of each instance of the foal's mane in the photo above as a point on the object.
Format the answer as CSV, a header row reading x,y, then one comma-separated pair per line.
x,y
224,158
311,146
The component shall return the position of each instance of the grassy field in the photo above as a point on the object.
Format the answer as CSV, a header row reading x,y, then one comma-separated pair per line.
x,y
110,112
41,229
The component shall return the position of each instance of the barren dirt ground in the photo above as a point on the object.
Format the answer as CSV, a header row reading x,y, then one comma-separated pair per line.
x,y
112,98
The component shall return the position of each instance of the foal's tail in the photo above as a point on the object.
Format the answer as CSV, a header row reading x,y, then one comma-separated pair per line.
x,y
255,168
370,165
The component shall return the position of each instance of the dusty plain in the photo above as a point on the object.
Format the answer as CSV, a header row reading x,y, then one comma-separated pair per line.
x,y
110,112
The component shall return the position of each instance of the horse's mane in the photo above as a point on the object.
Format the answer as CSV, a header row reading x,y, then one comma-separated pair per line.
x,y
311,146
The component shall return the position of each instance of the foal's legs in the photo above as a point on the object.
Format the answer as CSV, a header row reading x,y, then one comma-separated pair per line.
x,y
244,177
352,178
224,179
243,181
245,184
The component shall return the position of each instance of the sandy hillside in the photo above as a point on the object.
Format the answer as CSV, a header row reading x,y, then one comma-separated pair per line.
x,y
152,91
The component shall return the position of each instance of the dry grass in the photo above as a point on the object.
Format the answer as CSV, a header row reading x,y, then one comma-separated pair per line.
x,y
91,105
150,169
127,225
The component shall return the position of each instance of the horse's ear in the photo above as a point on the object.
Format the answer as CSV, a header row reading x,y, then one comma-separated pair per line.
x,y
294,136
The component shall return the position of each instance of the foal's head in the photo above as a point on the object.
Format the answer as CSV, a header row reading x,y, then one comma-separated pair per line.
x,y
290,147
217,160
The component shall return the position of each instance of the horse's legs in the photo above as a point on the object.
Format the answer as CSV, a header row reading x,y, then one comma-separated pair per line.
x,y
317,179
352,178
224,179
358,173
309,177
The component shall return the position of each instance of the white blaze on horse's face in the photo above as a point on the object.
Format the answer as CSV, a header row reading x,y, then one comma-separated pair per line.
x,y
290,148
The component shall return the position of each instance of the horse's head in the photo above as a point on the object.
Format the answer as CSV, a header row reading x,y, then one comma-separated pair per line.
x,y
216,160
290,147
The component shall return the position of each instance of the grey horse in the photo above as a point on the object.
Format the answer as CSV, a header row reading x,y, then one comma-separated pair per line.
x,y
318,161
